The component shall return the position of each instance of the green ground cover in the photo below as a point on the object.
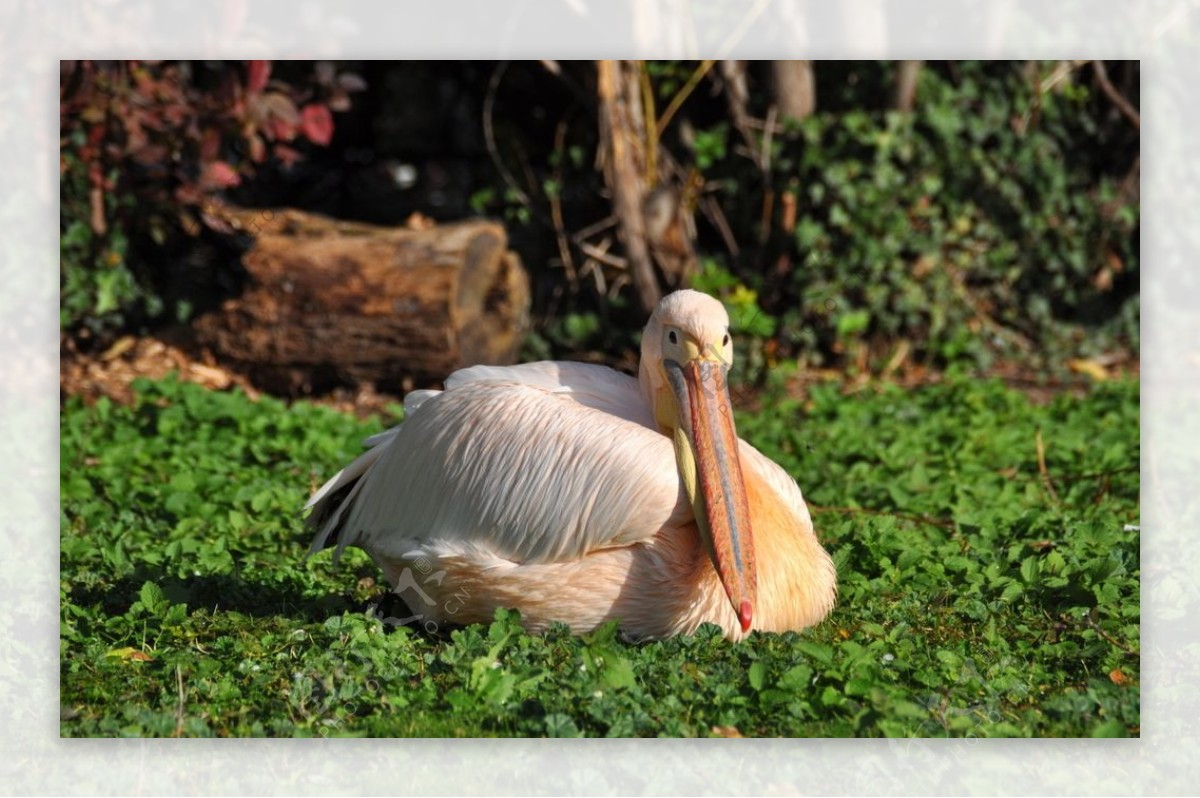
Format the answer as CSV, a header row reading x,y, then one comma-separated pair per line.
x,y
979,594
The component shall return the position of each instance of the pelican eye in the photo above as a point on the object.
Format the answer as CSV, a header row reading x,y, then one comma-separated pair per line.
x,y
672,337
725,340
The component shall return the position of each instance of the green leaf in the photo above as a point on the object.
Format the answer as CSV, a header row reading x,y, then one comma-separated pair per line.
x,y
152,598
798,678
853,322
560,725
128,653
859,686
932,623
612,669
1109,728
818,651
1012,591
1030,570
756,674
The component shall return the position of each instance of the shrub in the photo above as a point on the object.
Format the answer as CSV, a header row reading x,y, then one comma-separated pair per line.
x,y
143,144
982,223
999,218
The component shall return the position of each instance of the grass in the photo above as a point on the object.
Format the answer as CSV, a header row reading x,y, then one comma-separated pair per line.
x,y
984,590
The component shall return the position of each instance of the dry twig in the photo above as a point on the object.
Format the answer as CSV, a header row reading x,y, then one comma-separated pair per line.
x,y
1123,105
489,134
556,214
1041,458
179,707
601,254
680,96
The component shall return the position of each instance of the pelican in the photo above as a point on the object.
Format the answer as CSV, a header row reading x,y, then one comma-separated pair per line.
x,y
578,494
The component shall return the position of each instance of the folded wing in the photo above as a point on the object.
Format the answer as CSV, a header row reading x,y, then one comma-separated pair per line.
x,y
542,462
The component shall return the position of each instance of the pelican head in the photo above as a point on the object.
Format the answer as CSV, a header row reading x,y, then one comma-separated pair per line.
x,y
686,356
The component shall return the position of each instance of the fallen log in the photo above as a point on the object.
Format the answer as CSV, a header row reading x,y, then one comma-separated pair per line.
x,y
330,302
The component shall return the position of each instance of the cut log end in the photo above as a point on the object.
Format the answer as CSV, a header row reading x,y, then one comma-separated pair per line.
x,y
331,302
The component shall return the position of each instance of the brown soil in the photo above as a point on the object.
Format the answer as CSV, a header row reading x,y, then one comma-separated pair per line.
x,y
111,372
92,374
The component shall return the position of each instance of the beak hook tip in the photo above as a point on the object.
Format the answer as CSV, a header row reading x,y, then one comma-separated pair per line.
x,y
744,615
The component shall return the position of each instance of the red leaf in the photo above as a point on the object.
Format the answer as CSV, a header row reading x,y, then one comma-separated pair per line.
x,y
219,174
316,122
257,75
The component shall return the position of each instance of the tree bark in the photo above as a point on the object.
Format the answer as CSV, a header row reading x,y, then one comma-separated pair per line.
x,y
330,301
905,93
623,138
737,91
795,88
668,234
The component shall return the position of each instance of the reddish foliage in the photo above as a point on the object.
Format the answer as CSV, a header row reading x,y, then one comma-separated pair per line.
x,y
170,139
219,174
317,124
257,75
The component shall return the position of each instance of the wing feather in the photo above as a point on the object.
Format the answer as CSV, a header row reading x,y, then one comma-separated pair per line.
x,y
536,463
593,386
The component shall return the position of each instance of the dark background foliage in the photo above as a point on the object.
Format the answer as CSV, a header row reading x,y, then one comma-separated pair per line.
x,y
996,219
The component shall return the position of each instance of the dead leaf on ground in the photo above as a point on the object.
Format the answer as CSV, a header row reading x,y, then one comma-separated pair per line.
x,y
1088,367
123,345
129,653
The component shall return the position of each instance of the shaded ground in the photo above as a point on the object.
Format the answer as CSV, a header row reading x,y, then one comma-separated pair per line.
x,y
91,375
110,372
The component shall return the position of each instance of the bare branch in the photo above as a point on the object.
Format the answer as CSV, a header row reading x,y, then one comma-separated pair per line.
x,y
681,95
489,134
556,214
601,254
593,228
1123,105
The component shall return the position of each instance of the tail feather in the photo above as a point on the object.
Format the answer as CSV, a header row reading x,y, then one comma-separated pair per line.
x,y
330,502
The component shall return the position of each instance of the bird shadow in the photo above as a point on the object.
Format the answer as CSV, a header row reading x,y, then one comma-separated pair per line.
x,y
232,592
237,593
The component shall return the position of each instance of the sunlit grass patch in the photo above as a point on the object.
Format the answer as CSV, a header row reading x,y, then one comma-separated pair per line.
x,y
984,588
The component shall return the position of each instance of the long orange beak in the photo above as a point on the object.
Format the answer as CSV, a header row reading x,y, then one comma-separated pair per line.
x,y
706,448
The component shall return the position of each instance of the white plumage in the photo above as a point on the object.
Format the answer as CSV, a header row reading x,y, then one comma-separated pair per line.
x,y
552,487
530,490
